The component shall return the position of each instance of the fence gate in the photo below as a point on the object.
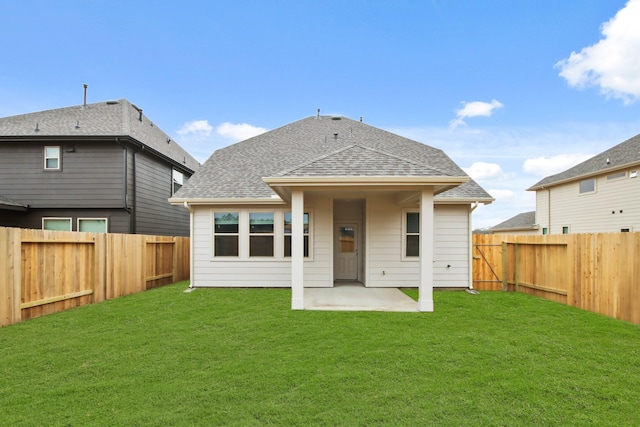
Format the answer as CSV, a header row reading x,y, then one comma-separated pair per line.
x,y
487,263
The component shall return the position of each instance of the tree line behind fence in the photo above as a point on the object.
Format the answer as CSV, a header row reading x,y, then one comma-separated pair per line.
x,y
43,272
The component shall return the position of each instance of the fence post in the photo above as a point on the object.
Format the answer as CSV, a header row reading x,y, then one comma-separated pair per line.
x,y
515,267
505,285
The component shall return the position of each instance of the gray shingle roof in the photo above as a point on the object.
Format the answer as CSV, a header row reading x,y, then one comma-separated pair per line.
x,y
518,222
320,146
111,118
6,202
624,154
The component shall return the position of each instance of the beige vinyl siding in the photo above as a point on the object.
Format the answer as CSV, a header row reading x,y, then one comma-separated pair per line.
x,y
385,264
611,207
276,272
451,253
542,210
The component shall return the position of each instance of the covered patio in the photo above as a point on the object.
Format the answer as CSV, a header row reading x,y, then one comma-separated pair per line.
x,y
353,296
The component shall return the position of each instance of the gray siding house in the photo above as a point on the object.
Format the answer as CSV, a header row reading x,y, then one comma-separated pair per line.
x,y
94,167
327,200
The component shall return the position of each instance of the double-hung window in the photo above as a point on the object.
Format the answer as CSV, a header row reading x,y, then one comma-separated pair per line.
x,y
261,234
52,158
177,180
92,225
225,234
412,235
57,224
587,186
287,234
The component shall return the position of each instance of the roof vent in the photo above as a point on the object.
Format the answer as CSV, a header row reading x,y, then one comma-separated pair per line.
x,y
336,118
112,103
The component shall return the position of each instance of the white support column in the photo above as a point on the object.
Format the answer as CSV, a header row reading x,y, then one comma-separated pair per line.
x,y
297,250
425,291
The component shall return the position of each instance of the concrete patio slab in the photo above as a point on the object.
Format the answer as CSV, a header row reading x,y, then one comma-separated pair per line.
x,y
355,297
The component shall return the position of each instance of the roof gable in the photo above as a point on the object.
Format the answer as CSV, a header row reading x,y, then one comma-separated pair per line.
x,y
319,146
525,220
625,154
354,160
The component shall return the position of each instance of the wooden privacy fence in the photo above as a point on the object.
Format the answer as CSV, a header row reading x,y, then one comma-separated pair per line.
x,y
595,272
43,272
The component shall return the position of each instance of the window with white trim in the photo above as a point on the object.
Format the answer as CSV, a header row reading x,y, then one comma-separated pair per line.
x,y
56,224
225,234
287,234
588,186
92,225
615,176
411,228
261,234
177,179
565,229
52,158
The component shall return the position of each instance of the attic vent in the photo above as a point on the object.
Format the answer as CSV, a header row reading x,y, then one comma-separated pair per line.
x,y
112,103
336,118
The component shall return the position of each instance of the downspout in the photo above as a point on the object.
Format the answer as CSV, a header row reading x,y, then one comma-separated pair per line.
x,y
191,243
134,222
473,208
125,176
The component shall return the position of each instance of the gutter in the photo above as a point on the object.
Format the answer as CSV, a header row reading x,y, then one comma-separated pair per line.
x,y
191,210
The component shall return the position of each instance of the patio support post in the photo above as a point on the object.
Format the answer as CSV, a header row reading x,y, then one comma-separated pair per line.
x,y
425,291
297,250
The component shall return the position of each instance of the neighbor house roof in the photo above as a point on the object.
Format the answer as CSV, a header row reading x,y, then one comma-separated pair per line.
x,y
322,146
9,204
112,118
522,221
623,155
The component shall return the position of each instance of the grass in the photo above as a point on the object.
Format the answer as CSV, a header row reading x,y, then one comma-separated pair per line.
x,y
243,358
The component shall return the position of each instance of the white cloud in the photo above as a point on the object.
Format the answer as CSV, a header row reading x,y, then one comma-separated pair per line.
x,y
545,166
239,132
613,63
485,171
474,109
196,128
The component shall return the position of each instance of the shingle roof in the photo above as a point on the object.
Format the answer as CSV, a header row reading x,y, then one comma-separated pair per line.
x,y
521,221
6,202
320,146
624,154
111,118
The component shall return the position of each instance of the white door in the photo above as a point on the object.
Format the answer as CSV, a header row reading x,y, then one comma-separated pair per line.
x,y
345,252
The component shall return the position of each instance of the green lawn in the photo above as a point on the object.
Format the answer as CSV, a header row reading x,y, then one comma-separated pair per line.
x,y
242,357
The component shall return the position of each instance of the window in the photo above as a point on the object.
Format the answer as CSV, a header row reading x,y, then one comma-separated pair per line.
x,y
92,225
565,229
616,176
545,230
412,235
588,185
177,180
261,234
287,234
225,230
57,224
625,230
52,158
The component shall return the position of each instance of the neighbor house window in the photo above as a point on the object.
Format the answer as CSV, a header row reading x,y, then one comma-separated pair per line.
x,y
625,230
545,230
52,158
565,229
225,234
177,181
412,234
616,176
261,235
57,224
92,225
287,234
587,185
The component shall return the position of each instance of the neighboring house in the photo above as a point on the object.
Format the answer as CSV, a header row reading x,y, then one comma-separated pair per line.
x,y
523,223
600,195
99,167
328,199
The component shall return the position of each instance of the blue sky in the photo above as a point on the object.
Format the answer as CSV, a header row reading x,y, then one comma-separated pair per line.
x,y
511,90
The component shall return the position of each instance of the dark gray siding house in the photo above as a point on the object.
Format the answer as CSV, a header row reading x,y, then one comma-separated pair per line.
x,y
96,167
